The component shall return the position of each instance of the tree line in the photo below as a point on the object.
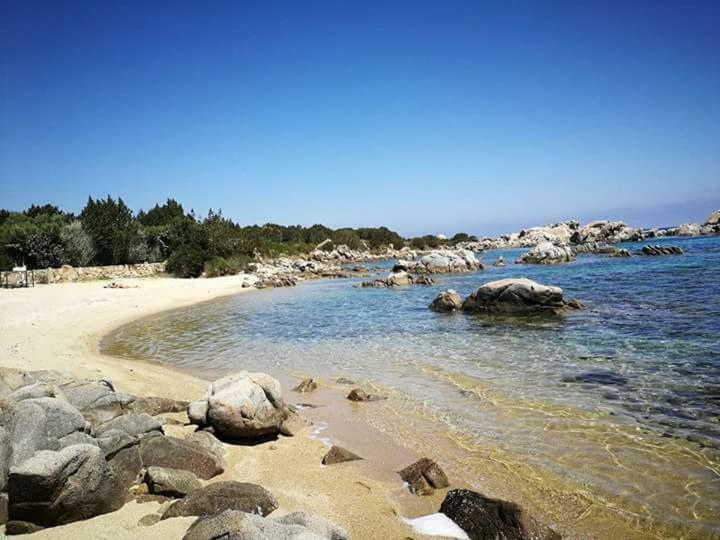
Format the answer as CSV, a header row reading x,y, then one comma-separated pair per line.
x,y
108,232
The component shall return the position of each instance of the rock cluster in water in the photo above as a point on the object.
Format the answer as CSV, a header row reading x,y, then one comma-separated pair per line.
x,y
398,279
548,253
508,296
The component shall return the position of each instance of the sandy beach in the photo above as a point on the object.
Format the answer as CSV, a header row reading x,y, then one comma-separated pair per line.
x,y
59,327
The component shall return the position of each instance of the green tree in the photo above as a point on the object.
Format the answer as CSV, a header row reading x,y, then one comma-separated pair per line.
x,y
112,228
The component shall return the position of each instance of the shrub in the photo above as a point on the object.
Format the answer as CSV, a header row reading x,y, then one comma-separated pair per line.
x,y
187,261
77,244
221,266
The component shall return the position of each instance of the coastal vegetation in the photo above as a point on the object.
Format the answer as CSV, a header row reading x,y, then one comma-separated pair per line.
x,y
108,232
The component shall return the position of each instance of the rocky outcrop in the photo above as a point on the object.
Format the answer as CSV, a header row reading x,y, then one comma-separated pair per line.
x,y
611,232
424,477
441,262
689,229
483,518
398,279
713,219
242,405
547,253
518,296
234,524
221,496
660,250
53,488
446,301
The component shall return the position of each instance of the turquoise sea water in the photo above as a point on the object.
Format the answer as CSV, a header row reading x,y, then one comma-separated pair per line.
x,y
622,398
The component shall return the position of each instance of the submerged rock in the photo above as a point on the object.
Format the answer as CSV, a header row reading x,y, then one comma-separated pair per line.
x,y
447,301
661,250
483,518
598,377
306,385
518,296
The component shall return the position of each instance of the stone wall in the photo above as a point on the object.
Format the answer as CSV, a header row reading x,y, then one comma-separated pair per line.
x,y
67,274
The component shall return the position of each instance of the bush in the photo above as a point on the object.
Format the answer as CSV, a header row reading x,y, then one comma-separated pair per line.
x,y
78,246
220,266
187,261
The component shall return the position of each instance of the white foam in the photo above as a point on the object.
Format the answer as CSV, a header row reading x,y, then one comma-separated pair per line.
x,y
437,525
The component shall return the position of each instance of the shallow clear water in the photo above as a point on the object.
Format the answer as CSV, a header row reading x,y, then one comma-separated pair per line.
x,y
620,400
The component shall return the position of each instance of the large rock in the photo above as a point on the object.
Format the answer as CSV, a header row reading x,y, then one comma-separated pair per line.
x,y
38,424
713,219
244,405
221,496
171,482
661,250
447,301
236,525
517,296
483,518
180,454
53,488
114,440
547,253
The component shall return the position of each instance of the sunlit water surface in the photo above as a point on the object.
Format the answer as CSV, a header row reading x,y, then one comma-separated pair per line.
x,y
608,414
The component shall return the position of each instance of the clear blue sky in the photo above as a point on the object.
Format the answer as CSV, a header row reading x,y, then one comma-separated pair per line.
x,y
424,116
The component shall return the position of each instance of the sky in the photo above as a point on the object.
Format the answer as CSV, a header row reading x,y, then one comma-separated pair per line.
x,y
427,117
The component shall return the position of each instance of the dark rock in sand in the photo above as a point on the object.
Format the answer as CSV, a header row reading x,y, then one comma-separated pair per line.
x,y
344,380
180,454
358,395
307,385
52,488
424,476
483,518
171,482
220,496
447,301
338,454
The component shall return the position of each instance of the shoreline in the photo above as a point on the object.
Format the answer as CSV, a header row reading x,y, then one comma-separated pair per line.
x,y
60,327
